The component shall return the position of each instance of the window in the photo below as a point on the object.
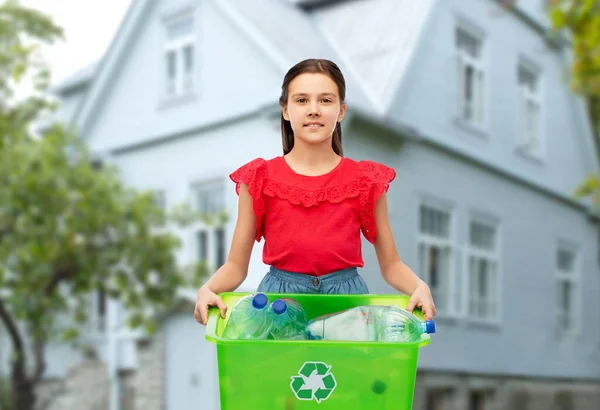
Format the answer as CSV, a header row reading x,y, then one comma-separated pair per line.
x,y
481,400
101,309
160,199
471,77
520,400
210,197
220,250
483,271
563,401
180,46
567,288
210,234
202,239
97,308
435,254
439,399
529,110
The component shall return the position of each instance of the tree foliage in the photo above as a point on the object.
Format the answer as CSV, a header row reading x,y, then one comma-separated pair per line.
x,y
68,228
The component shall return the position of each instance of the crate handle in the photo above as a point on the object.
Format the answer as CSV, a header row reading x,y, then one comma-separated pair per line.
x,y
214,314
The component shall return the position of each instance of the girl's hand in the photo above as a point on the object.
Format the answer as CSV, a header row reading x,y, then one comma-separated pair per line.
x,y
421,297
204,299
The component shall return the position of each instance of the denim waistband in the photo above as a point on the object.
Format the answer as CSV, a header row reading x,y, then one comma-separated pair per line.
x,y
339,276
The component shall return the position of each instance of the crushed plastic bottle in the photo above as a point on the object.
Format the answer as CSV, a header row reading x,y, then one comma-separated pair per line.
x,y
289,320
250,318
354,324
368,324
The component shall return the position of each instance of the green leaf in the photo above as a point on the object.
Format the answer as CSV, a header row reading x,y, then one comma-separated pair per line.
x,y
590,186
70,335
18,71
557,17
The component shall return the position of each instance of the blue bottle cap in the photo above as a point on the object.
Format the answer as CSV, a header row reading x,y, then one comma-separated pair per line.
x,y
259,301
429,326
279,306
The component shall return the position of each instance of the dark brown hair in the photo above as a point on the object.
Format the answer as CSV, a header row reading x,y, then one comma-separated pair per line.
x,y
312,65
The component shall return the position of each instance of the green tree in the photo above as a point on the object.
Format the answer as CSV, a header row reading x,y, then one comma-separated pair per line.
x,y
67,228
580,20
578,23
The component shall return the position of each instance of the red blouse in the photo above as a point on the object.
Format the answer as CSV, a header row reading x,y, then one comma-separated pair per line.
x,y
312,224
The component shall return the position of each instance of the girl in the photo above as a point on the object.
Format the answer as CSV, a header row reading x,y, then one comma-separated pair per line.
x,y
311,204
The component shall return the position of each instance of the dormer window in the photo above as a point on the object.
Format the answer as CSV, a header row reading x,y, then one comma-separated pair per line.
x,y
179,53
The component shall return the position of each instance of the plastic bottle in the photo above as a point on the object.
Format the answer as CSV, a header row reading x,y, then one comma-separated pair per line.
x,y
289,320
249,318
354,324
394,324
368,324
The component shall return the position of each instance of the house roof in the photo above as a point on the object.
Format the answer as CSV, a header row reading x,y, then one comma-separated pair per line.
x,y
79,79
109,64
286,31
378,38
293,35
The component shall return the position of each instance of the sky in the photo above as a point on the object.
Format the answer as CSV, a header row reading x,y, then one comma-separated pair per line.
x,y
89,27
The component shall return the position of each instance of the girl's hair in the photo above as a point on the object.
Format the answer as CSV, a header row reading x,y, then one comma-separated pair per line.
x,y
326,67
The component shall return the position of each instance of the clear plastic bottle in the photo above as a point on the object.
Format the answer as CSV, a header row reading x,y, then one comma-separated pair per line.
x,y
355,324
249,319
289,320
369,324
393,324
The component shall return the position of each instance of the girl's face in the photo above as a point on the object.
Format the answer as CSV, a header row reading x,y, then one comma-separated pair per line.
x,y
313,108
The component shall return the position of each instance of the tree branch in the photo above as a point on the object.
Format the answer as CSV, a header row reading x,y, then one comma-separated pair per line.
x,y
39,345
11,326
18,363
59,275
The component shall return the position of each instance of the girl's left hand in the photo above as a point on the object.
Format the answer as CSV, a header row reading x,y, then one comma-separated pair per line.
x,y
422,298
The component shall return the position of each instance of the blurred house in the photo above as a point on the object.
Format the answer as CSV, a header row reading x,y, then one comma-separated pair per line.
x,y
466,100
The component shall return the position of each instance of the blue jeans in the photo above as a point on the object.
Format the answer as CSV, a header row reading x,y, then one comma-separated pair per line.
x,y
343,282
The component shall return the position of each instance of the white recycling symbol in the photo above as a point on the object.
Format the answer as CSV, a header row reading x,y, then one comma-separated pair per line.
x,y
314,381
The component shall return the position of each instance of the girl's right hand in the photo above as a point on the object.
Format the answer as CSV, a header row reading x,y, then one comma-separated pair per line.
x,y
204,299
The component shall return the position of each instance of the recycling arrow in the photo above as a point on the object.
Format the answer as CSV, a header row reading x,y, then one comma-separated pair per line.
x,y
314,381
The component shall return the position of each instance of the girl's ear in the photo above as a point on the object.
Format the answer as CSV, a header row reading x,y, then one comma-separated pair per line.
x,y
284,112
343,108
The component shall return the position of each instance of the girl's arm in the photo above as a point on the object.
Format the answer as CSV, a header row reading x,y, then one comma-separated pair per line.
x,y
231,275
394,271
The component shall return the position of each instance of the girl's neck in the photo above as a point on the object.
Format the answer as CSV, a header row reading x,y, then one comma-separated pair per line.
x,y
312,160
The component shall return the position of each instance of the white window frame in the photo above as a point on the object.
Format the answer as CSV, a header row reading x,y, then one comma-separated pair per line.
x,y
493,258
178,46
478,118
527,143
98,312
200,227
449,244
574,278
160,199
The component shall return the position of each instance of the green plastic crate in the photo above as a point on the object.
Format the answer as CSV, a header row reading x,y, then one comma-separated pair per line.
x,y
268,374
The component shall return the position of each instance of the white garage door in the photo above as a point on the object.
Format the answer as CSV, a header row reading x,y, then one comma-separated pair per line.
x,y
191,378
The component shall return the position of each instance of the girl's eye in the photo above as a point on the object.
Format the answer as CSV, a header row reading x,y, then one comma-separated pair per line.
x,y
327,100
301,100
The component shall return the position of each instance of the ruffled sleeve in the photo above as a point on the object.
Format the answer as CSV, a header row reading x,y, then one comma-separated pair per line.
x,y
254,175
375,179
